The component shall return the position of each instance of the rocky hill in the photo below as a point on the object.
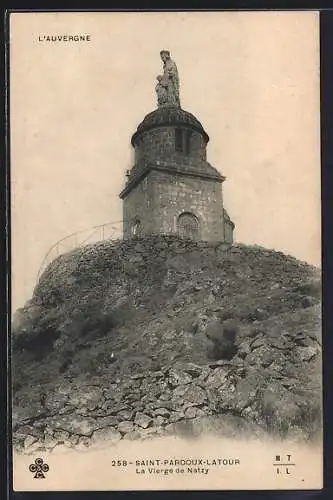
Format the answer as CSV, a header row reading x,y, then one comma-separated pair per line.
x,y
137,338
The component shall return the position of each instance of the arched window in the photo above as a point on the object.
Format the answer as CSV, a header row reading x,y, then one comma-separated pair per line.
x,y
188,226
136,227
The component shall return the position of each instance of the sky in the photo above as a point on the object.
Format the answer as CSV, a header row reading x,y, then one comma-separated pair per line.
x,y
251,78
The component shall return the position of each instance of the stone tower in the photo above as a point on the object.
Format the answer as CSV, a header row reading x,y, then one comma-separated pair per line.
x,y
172,189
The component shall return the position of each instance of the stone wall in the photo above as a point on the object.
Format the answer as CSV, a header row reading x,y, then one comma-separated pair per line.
x,y
228,231
137,204
161,197
160,143
164,183
175,194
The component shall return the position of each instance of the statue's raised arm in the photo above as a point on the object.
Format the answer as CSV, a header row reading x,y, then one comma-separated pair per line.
x,y
169,84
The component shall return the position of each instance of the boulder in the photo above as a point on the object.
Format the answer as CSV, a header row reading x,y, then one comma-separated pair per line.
x,y
125,427
195,395
178,377
142,420
105,437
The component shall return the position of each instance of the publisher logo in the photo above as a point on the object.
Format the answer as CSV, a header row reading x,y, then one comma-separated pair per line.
x,y
283,464
39,468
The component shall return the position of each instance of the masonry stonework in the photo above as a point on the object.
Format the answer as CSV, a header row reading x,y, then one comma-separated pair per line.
x,y
172,188
160,142
174,194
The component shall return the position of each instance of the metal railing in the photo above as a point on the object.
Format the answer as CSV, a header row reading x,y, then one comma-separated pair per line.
x,y
107,231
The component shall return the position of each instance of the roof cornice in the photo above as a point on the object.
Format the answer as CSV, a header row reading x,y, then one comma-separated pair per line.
x,y
171,169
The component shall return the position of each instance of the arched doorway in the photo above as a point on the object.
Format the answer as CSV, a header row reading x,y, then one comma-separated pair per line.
x,y
188,226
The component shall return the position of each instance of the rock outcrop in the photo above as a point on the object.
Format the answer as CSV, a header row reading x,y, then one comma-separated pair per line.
x,y
116,343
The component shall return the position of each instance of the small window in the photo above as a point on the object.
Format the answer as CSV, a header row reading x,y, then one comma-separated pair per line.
x,y
183,140
187,134
136,227
179,140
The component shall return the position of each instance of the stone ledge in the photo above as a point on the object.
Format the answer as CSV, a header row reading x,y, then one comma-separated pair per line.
x,y
173,170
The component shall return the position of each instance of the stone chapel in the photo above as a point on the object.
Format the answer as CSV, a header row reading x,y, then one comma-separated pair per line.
x,y
172,189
